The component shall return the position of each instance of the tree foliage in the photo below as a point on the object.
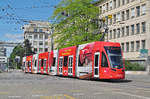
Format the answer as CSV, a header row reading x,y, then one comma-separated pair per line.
x,y
17,51
75,24
28,48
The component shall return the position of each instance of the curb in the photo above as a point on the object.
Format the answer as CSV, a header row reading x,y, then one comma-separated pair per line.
x,y
136,72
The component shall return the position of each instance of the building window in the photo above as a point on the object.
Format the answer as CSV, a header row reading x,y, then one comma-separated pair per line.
x,y
127,30
143,27
123,15
123,31
110,5
122,46
40,43
114,3
41,30
138,11
35,36
127,15
143,44
118,17
110,34
143,9
41,36
114,18
132,29
137,45
35,30
114,33
118,3
107,6
132,46
123,2
118,31
110,21
132,13
127,47
138,28
46,36
100,9
46,43
127,1
104,8
35,43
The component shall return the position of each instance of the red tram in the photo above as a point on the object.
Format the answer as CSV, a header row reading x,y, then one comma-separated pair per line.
x,y
101,60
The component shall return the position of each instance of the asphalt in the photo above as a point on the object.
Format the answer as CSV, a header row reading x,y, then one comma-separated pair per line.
x,y
18,85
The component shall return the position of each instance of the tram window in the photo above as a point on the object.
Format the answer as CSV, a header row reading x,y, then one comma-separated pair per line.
x,y
54,61
28,63
79,62
96,60
42,62
35,62
65,60
60,62
104,62
96,71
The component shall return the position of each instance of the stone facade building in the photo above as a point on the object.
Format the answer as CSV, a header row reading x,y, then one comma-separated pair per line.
x,y
37,33
129,25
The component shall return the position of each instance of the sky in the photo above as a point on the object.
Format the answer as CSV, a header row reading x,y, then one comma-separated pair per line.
x,y
15,13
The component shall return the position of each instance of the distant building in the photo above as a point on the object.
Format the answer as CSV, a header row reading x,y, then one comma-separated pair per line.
x,y
129,25
2,51
37,33
3,59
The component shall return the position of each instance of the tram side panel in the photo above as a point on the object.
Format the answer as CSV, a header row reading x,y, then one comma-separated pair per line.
x,y
43,63
67,61
84,61
28,68
54,60
35,63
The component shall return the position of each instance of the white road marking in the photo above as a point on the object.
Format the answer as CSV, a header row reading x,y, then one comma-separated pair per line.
x,y
128,94
14,96
97,93
37,95
78,94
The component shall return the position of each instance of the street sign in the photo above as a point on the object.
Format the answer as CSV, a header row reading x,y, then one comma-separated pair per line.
x,y
110,16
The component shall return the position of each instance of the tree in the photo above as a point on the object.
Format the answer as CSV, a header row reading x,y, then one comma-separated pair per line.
x,y
28,48
17,51
75,22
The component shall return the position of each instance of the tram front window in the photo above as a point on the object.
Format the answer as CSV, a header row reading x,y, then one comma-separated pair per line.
x,y
115,57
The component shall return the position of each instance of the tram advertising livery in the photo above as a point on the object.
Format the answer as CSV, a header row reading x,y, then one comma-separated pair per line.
x,y
100,60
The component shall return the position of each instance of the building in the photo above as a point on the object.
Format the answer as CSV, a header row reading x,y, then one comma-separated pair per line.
x,y
129,24
3,59
37,33
2,51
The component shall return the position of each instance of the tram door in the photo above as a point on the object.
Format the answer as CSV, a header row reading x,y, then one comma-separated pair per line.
x,y
96,64
70,65
60,65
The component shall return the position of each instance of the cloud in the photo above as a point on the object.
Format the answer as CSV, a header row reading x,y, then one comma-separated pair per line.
x,y
14,37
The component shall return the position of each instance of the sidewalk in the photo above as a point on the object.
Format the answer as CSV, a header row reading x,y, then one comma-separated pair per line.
x,y
143,78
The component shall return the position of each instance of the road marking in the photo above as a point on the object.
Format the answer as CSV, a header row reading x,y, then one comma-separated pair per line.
x,y
4,93
69,96
14,96
75,90
98,93
37,95
128,94
78,94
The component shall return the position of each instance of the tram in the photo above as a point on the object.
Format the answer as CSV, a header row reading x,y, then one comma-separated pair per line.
x,y
100,60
